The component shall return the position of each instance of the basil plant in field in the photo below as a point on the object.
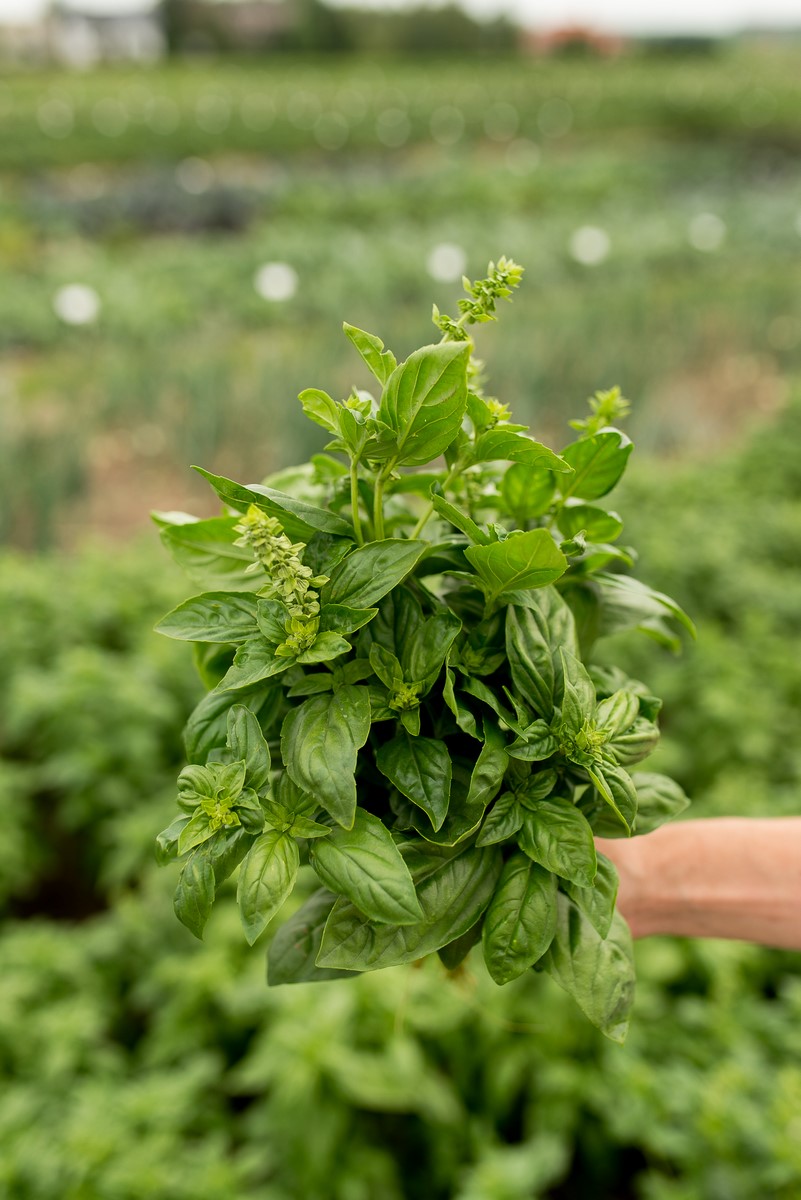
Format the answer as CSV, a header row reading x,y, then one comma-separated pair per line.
x,y
397,639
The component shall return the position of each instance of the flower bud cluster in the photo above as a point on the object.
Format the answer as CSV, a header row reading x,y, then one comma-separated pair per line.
x,y
290,581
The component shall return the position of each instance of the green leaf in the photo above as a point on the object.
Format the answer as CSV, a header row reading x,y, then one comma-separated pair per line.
x,y
320,408
535,744
452,955
340,618
246,743
597,902
327,646
598,463
521,920
292,952
499,444
225,851
598,524
365,865
527,491
197,830
462,714
421,769
597,972
534,636
386,666
380,361
213,617
207,726
487,775
460,520
558,836
194,895
254,661
659,799
618,712
266,878
627,603
472,787
524,560
320,741
427,648
166,848
617,789
371,571
636,743
453,890
206,551
299,519
424,401
578,697
503,821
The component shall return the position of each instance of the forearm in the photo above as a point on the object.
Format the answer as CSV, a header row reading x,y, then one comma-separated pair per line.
x,y
727,877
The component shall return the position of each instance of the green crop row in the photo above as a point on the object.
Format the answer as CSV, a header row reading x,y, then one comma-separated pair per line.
x,y
278,106
136,1061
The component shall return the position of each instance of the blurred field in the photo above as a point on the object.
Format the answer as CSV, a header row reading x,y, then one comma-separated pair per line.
x,y
654,203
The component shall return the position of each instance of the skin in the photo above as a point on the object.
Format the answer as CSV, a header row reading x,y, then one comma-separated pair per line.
x,y
723,877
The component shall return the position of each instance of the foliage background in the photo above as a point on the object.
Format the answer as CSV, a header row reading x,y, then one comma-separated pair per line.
x,y
135,1061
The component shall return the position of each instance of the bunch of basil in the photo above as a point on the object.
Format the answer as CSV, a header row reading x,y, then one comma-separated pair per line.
x,y
397,640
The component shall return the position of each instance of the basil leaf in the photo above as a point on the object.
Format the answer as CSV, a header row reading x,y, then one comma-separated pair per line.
x,y
617,789
500,444
197,829
452,955
636,743
207,726
292,952
558,836
254,661
320,408
527,491
371,571
320,741
266,878
299,519
246,743
453,890
365,865
459,519
520,922
426,650
228,617
597,972
627,603
598,463
194,895
225,851
380,361
598,524
327,646
534,635
597,902
421,769
524,560
424,401
618,712
659,799
206,551
166,848
578,698
340,618
503,821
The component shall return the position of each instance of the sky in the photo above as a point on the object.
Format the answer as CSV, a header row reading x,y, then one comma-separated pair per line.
x,y
626,16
